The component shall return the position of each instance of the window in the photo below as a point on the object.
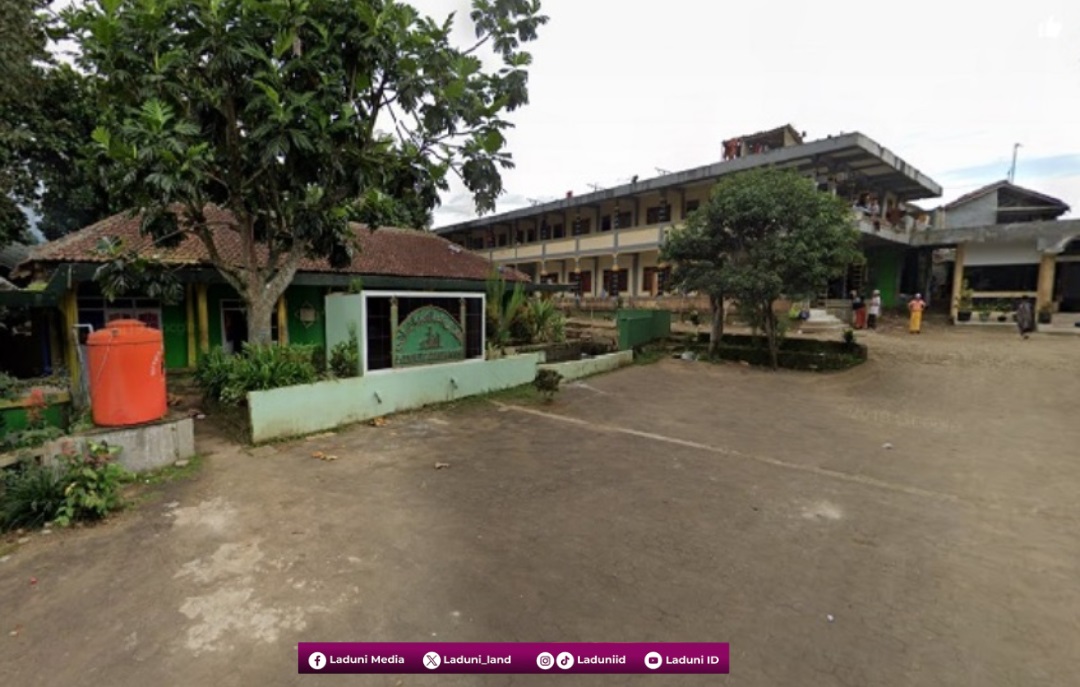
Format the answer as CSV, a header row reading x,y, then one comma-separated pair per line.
x,y
476,242
1002,277
691,206
605,223
622,220
97,312
582,225
662,275
502,240
549,279
558,231
581,281
545,231
658,214
616,282
530,236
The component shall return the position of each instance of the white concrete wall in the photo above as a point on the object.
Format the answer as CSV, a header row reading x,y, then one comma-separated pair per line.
x,y
1014,253
979,212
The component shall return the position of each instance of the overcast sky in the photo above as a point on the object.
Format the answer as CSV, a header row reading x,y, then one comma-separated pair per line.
x,y
619,89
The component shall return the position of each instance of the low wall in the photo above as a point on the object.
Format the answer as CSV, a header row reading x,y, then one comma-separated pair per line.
x,y
577,369
143,448
308,408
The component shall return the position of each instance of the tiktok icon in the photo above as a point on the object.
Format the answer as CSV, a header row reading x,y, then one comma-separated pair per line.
x,y
317,660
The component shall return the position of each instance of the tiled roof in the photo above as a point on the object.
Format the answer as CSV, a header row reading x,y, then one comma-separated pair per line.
x,y
385,252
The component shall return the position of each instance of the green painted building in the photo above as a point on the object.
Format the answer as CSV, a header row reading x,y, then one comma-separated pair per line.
x,y
57,281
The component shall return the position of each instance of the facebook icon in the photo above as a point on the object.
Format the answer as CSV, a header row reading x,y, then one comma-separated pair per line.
x,y
317,660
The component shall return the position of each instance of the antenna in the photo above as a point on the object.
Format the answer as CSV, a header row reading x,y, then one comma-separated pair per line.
x,y
534,201
1012,169
662,172
594,187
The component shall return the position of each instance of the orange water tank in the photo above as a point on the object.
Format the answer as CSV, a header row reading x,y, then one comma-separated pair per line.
x,y
126,364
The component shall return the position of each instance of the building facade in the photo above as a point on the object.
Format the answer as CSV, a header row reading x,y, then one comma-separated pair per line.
x,y
607,243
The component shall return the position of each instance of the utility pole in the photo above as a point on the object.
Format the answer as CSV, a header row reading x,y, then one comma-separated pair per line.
x,y
1012,169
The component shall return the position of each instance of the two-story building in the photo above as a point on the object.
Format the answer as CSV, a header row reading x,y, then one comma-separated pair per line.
x,y
607,243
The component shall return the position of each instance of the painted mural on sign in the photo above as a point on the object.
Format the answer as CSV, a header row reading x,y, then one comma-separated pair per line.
x,y
428,335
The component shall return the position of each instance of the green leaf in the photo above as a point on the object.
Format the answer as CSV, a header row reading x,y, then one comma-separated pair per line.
x,y
493,141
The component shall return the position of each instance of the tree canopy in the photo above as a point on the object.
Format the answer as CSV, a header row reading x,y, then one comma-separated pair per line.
x,y
47,113
764,234
298,116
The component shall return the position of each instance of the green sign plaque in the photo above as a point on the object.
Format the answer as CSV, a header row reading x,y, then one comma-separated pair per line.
x,y
428,335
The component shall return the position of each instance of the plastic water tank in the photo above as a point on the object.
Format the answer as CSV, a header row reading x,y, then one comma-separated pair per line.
x,y
126,362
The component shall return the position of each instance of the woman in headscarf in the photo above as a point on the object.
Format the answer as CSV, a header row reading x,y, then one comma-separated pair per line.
x,y
1025,318
916,307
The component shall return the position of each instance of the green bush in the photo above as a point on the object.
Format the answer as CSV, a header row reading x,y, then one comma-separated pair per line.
x,y
10,387
229,378
29,438
345,357
92,484
30,496
547,383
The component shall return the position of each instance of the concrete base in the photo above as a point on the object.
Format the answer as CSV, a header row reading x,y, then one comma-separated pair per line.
x,y
143,448
821,321
577,369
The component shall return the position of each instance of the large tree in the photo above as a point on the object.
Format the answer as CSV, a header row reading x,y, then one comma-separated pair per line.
x,y
47,113
765,234
275,109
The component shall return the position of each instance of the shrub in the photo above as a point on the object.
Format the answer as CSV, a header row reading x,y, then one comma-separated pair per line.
x,y
547,383
540,321
29,438
345,357
229,378
30,496
92,484
9,387
849,337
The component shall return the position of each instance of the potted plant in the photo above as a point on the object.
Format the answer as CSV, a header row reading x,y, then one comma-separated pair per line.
x,y
1046,314
964,303
984,313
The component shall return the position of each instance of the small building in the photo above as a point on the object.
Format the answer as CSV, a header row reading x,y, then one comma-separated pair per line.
x,y
397,271
1010,243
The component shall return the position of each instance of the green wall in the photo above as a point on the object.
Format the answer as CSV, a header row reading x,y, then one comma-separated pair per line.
x,y
174,332
309,408
884,266
296,298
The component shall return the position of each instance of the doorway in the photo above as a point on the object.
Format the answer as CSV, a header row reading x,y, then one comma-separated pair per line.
x,y
234,325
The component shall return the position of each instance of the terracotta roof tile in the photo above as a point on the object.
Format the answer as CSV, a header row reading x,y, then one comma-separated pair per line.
x,y
385,252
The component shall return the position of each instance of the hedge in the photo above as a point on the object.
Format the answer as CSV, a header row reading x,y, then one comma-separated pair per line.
x,y
794,354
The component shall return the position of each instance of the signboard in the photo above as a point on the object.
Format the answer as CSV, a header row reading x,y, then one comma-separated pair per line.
x,y
428,335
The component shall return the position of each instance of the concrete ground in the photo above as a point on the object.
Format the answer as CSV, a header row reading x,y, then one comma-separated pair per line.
x,y
680,501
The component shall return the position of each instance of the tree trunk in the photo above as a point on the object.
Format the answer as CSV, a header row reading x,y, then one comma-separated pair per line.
x,y
769,323
261,309
716,332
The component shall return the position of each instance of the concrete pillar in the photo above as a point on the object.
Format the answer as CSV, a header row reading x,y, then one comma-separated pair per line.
x,y
282,321
56,349
958,281
204,318
189,325
69,306
635,290
597,278
1047,267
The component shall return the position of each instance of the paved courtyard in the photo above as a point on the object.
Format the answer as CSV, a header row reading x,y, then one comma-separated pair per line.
x,y
679,501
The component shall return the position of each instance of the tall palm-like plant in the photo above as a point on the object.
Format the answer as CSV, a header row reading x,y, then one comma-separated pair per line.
x,y
503,304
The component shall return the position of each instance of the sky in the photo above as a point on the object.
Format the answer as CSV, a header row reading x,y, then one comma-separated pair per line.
x,y
620,89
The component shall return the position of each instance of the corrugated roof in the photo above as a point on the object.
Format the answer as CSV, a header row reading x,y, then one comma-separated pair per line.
x,y
385,252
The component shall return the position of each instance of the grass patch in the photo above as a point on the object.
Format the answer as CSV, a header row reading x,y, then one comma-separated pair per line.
x,y
651,354
173,473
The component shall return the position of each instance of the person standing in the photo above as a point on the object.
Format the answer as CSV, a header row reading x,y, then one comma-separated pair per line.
x,y
875,309
916,307
858,311
1025,318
